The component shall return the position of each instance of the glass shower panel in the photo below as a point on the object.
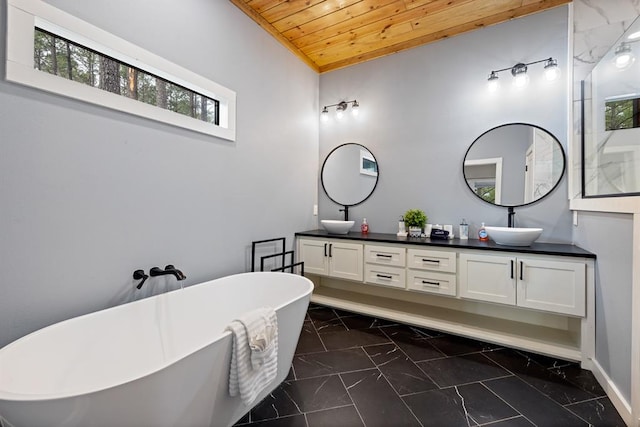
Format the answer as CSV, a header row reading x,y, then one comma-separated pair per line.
x,y
611,131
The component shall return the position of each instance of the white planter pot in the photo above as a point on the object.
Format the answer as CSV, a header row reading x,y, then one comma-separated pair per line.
x,y
415,231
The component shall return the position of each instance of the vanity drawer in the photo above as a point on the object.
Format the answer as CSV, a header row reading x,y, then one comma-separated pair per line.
x,y
385,275
431,282
385,255
432,260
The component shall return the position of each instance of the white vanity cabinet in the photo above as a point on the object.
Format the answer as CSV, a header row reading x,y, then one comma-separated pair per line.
x,y
432,271
385,265
537,282
332,258
488,278
539,299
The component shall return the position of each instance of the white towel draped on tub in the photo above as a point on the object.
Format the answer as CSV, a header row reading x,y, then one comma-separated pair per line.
x,y
254,356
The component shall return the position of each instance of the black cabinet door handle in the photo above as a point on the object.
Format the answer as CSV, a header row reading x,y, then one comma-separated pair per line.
x,y
325,249
521,268
512,269
330,245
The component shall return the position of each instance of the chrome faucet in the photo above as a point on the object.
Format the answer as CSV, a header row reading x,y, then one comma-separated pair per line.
x,y
169,269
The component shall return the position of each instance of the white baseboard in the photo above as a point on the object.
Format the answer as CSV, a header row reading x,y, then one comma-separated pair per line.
x,y
613,393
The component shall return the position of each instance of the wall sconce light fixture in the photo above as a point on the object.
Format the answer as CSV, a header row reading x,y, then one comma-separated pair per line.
x,y
519,73
341,107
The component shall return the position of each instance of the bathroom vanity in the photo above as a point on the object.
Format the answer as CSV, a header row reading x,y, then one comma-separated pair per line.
x,y
538,298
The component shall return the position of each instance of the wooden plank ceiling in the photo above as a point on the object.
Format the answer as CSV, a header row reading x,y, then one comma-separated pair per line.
x,y
332,34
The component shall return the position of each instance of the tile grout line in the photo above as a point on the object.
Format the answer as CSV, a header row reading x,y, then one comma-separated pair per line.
x,y
579,416
338,373
489,424
583,401
548,398
507,403
413,361
318,334
354,403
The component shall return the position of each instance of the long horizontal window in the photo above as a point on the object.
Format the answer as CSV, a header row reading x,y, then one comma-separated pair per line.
x,y
51,50
64,58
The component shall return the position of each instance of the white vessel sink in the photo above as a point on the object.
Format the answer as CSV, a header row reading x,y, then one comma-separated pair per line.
x,y
337,226
513,236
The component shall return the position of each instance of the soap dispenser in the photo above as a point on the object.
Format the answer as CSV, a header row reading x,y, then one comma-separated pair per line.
x,y
482,234
402,231
464,230
364,228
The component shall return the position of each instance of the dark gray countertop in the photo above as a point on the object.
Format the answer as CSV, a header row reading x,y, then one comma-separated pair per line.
x,y
560,249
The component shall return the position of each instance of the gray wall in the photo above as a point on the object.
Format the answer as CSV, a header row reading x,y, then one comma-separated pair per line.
x,y
610,237
421,109
89,194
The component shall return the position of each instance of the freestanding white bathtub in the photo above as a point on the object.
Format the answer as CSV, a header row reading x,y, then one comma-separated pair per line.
x,y
160,361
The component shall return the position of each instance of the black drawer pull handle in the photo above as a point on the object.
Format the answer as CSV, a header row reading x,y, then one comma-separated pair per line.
x,y
431,260
383,256
426,282
383,276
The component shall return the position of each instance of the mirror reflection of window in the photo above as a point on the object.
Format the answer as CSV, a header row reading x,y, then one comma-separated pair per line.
x,y
484,176
527,164
368,165
622,114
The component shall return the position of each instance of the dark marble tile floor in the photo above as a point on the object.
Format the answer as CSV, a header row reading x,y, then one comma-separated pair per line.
x,y
356,371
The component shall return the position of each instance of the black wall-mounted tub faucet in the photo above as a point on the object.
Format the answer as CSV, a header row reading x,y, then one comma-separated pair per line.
x,y
140,275
169,269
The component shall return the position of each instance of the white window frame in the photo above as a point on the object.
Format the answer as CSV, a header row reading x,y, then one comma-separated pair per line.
x,y
23,16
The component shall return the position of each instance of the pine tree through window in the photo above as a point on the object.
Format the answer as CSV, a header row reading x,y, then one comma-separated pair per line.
x,y
64,58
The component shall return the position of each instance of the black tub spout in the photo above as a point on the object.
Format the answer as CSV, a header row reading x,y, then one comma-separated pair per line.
x,y
169,269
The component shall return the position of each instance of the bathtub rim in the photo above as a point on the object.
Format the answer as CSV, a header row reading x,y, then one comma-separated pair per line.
x,y
22,397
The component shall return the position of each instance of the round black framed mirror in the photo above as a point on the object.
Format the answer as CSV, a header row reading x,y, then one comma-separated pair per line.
x,y
514,164
349,174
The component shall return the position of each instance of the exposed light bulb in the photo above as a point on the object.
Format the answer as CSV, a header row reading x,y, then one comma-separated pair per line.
x,y
340,110
355,108
551,74
520,77
551,70
493,82
521,80
324,116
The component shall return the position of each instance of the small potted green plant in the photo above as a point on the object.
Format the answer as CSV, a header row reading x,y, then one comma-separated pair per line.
x,y
415,220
